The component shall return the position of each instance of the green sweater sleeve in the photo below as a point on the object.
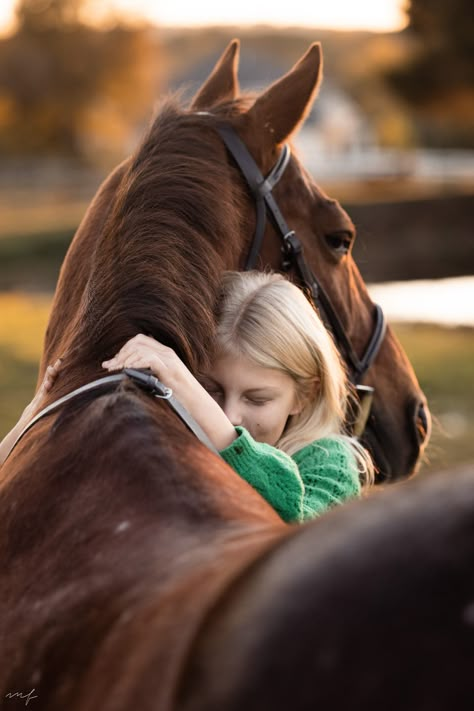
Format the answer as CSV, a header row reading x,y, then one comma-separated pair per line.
x,y
321,475
330,475
270,471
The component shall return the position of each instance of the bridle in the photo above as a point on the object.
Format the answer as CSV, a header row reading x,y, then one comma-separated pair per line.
x,y
292,249
143,378
261,189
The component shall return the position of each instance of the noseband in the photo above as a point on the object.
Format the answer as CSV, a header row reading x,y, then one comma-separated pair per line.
x,y
293,256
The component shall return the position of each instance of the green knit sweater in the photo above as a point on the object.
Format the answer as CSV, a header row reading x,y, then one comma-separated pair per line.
x,y
300,487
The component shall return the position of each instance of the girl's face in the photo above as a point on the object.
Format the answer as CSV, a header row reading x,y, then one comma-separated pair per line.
x,y
260,399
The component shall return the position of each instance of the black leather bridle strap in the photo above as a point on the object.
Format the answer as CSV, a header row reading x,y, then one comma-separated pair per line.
x,y
358,366
143,378
261,189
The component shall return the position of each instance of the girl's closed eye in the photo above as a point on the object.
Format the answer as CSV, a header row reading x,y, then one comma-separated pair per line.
x,y
258,402
213,390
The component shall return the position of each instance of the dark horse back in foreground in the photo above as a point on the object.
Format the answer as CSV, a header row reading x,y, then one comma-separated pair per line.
x,y
138,570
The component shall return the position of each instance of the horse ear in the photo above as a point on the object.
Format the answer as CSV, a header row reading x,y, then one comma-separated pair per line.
x,y
222,84
286,103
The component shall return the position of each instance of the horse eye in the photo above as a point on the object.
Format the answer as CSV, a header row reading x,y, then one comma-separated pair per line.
x,y
339,242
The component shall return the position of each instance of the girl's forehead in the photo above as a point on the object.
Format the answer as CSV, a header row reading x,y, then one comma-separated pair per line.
x,y
233,370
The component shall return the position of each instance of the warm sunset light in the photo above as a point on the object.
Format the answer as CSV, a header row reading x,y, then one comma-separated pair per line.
x,y
387,15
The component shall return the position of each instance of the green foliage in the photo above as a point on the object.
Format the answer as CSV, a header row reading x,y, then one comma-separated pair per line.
x,y
437,78
38,15
448,25
64,84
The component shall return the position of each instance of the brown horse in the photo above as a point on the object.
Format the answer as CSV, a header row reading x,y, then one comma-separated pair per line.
x,y
138,570
173,216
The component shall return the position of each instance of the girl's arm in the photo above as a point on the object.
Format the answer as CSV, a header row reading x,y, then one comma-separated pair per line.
x,y
270,471
144,352
35,405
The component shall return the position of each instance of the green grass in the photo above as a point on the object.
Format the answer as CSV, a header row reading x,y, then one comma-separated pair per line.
x,y
443,359
35,232
17,384
22,328
33,259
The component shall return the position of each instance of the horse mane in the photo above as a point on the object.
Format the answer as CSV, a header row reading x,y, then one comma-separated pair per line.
x,y
170,232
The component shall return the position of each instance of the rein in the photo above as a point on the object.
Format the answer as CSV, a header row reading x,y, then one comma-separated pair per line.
x,y
142,378
261,189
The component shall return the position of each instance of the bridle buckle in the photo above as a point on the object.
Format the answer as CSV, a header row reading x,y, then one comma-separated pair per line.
x,y
365,396
290,248
149,382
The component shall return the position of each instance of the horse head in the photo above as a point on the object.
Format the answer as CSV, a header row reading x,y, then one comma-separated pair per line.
x,y
398,426
169,220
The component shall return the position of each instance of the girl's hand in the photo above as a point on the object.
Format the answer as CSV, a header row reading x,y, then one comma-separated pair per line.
x,y
49,378
144,352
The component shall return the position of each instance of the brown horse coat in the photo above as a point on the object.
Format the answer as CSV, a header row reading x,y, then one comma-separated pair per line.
x,y
138,570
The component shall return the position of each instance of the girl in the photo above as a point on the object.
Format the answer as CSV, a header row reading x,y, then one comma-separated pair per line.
x,y
274,400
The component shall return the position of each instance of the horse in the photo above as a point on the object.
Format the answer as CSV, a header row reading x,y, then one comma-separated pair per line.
x,y
138,570
186,168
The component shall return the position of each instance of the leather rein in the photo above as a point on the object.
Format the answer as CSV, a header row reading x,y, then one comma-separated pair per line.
x,y
146,380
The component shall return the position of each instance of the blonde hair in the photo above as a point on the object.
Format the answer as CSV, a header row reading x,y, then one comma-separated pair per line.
x,y
266,318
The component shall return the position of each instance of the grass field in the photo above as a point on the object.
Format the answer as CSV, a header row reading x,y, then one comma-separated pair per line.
x,y
442,358
444,363
22,326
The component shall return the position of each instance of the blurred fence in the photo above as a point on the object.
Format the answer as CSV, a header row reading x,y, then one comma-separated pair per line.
x,y
438,165
46,179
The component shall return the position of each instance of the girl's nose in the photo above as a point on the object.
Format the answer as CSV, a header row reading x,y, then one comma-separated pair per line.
x,y
233,412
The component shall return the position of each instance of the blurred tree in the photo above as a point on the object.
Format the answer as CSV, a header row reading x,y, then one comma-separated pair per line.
x,y
437,79
69,89
34,15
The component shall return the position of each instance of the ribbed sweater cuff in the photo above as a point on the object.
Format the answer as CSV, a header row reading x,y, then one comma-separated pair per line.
x,y
242,446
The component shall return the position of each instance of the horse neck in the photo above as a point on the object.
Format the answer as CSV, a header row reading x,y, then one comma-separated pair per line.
x,y
156,265
77,266
151,301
